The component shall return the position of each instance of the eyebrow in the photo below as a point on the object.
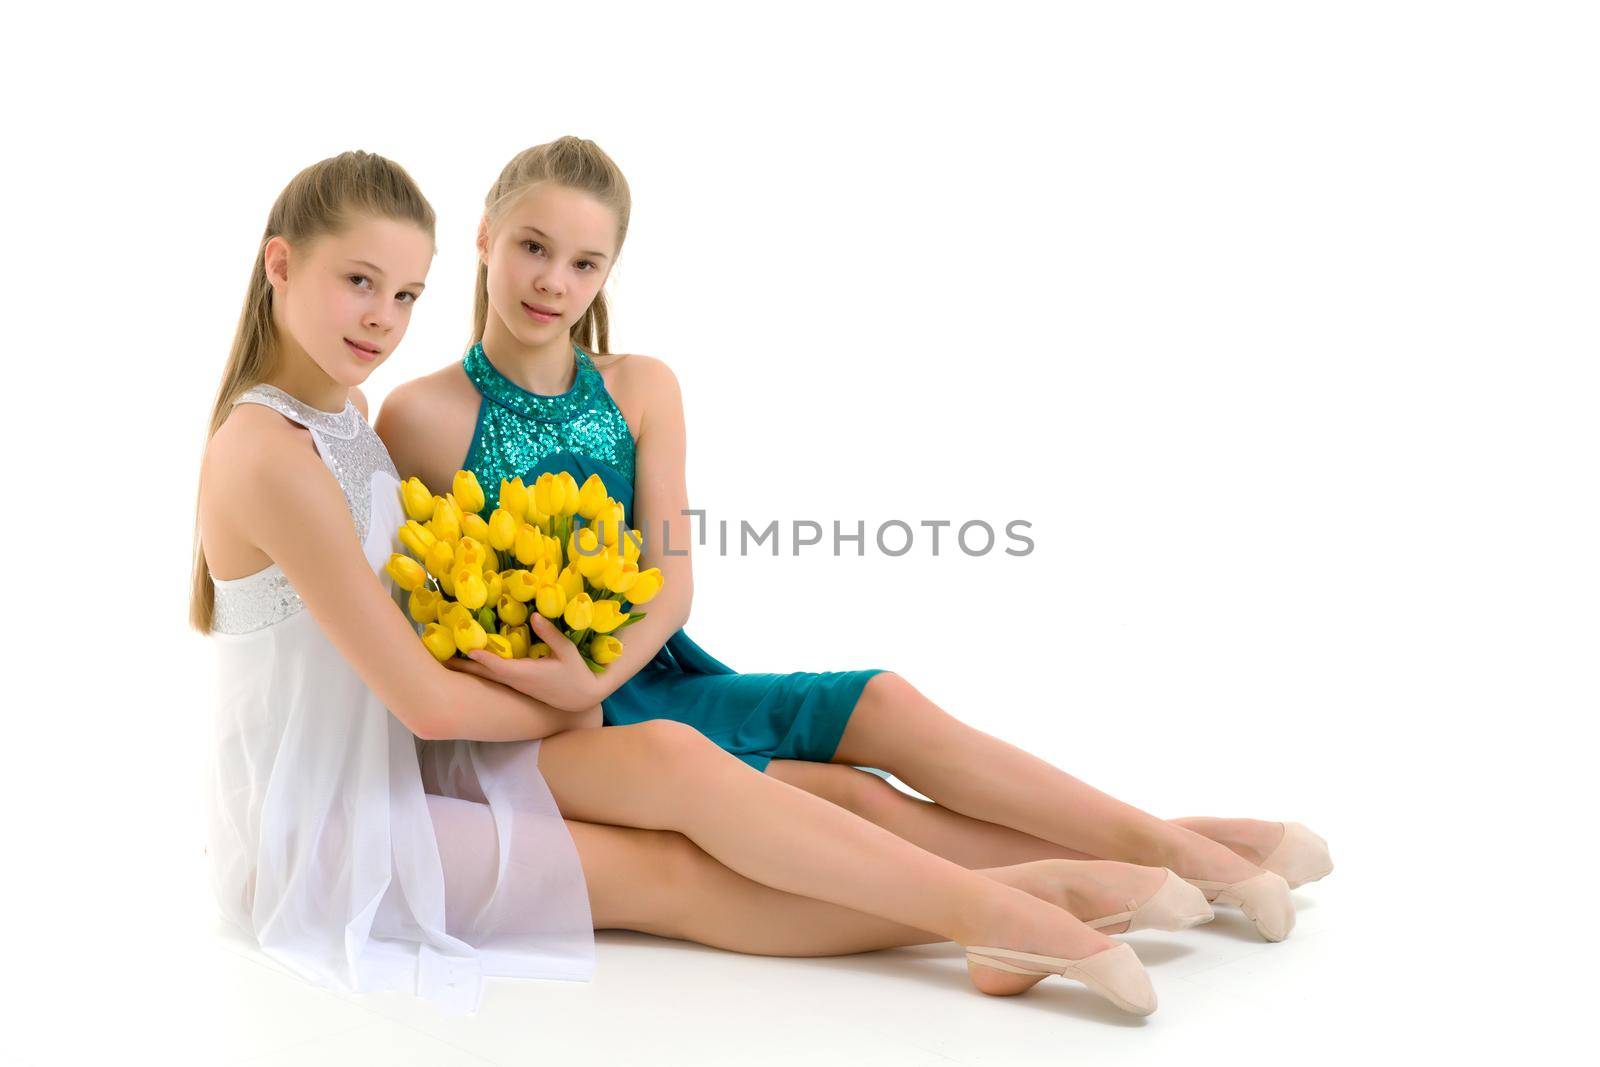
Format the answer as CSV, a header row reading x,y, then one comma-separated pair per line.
x,y
584,252
374,268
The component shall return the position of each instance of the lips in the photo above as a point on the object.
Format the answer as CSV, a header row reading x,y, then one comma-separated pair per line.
x,y
363,350
539,311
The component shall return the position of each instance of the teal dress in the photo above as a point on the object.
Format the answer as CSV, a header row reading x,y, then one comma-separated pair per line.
x,y
756,717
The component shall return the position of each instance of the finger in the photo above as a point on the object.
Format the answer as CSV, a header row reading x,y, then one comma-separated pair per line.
x,y
468,666
550,635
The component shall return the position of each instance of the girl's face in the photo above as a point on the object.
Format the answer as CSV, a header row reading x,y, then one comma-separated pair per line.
x,y
346,298
548,255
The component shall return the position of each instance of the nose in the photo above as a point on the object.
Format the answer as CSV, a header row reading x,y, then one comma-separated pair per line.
x,y
380,316
548,280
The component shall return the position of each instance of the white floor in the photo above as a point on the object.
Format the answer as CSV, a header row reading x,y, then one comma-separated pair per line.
x,y
1225,995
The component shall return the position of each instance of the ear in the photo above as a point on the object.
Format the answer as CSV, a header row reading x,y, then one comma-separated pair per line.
x,y
483,240
275,257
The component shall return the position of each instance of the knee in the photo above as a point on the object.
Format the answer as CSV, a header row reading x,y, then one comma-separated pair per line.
x,y
868,795
885,687
670,743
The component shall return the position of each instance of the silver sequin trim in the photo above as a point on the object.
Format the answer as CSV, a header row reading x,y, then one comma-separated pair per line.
x,y
353,452
254,602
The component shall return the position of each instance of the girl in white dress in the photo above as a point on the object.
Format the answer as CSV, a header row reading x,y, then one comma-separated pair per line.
x,y
324,843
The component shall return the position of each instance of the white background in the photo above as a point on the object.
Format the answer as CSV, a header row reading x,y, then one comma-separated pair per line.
x,y
1277,321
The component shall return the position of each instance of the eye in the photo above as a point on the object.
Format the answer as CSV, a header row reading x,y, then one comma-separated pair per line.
x,y
533,246
410,298
586,264
357,279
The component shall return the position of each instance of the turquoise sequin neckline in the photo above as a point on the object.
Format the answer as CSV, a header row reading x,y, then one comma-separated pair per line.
x,y
521,434
561,407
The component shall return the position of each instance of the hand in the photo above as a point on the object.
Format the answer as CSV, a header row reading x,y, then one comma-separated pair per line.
x,y
562,679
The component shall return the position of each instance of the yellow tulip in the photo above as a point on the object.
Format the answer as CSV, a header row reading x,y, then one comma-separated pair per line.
x,y
418,499
569,488
471,592
470,553
502,530
440,559
609,521
552,552
474,527
452,614
630,546
570,581
591,567
544,573
538,650
521,586
605,649
608,615
551,601
423,604
620,575
417,538
591,496
547,495
499,645
514,498
520,640
446,521
583,544
447,584
528,544
406,572
512,611
468,493
468,634
645,587
579,613
438,641
496,586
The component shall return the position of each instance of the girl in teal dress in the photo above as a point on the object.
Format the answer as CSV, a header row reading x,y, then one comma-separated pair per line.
x,y
538,391
757,717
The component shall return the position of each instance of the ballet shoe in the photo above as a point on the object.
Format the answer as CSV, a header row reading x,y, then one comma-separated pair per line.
x,y
1264,899
1301,856
1113,973
1177,905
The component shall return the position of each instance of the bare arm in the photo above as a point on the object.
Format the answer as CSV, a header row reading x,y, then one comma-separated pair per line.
x,y
285,501
660,498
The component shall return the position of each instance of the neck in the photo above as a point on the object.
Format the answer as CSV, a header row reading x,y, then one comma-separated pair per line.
x,y
546,368
298,375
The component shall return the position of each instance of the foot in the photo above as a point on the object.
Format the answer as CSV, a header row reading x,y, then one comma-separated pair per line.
x,y
1093,889
1040,928
1228,878
1286,849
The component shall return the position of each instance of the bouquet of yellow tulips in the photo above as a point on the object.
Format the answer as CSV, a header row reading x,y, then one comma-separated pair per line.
x,y
554,548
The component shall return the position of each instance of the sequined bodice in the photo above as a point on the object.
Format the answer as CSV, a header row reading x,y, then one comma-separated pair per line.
x,y
353,453
518,430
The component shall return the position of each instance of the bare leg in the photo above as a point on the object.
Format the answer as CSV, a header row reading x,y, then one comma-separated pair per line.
x,y
692,897
974,843
984,778
1254,839
664,775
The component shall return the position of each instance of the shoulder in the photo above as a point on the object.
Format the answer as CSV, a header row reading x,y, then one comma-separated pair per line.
x,y
427,423
647,383
425,397
257,458
636,370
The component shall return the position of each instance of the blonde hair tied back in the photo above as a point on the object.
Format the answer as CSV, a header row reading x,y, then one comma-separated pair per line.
x,y
578,164
321,200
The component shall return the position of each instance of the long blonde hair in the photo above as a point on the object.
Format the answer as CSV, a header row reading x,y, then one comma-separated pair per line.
x,y
319,201
577,164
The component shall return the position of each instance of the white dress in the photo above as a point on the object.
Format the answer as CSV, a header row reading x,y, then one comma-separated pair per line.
x,y
323,843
